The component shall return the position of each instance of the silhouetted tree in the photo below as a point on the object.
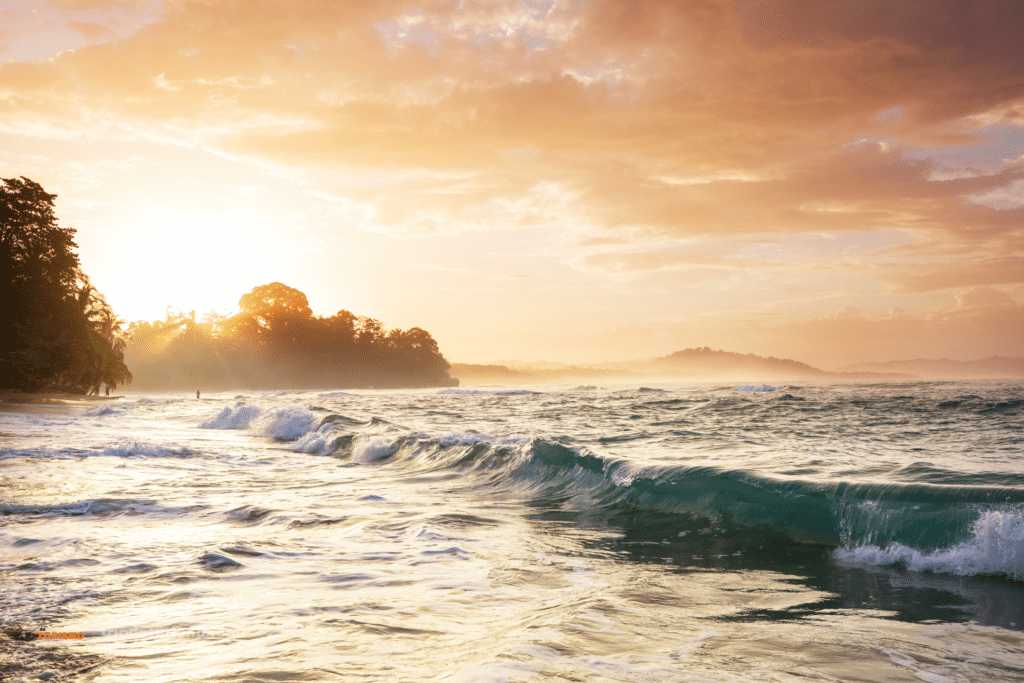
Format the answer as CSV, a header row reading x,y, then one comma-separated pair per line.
x,y
56,330
275,341
269,303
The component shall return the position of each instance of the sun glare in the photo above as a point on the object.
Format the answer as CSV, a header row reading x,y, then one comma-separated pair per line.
x,y
193,261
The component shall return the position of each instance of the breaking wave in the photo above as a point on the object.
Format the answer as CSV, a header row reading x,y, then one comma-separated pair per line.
x,y
957,529
995,546
960,529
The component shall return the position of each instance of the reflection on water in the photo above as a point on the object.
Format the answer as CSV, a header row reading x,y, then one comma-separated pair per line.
x,y
196,554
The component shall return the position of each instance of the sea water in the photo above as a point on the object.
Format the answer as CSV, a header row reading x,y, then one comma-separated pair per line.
x,y
833,532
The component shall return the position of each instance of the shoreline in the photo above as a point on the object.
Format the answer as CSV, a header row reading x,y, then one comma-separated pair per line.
x,y
47,400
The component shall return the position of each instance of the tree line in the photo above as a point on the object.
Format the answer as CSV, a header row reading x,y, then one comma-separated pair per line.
x,y
57,332
275,341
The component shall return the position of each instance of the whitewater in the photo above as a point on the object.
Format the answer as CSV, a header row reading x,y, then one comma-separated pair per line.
x,y
823,532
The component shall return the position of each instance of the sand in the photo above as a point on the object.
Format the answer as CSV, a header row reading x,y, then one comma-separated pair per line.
x,y
47,400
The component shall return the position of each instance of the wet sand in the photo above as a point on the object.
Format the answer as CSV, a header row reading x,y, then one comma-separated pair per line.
x,y
48,401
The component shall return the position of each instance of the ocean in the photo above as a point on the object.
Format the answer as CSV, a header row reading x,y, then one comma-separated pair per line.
x,y
820,532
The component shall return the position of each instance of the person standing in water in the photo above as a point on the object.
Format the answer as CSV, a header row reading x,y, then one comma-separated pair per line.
x,y
197,393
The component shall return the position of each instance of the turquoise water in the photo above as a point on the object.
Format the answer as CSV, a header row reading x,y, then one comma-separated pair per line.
x,y
867,532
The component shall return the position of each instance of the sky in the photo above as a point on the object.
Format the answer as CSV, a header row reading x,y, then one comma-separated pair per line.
x,y
571,180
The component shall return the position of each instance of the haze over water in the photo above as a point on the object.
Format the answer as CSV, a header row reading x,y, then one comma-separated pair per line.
x,y
869,532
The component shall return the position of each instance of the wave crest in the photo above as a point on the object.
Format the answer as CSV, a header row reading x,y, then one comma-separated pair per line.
x,y
233,417
288,423
996,547
139,448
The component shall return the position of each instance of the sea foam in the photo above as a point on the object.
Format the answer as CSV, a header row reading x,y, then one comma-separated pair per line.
x,y
373,449
139,448
97,411
313,442
288,423
996,547
233,417
502,392
322,441
470,437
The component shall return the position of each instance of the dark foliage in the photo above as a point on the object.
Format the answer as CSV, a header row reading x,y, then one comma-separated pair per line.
x,y
276,342
56,331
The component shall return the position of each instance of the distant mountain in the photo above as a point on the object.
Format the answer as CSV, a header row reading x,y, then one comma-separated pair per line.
x,y
473,373
727,365
688,365
470,374
994,367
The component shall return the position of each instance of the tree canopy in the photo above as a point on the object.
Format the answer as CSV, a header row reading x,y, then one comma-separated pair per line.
x,y
275,300
56,331
275,341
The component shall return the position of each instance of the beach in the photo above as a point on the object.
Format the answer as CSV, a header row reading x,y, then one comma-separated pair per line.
x,y
49,402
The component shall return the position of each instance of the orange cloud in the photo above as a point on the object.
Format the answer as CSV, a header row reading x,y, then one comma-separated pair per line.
x,y
629,129
92,31
983,322
1006,270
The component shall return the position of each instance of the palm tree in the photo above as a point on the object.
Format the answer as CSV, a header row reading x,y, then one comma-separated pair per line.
x,y
100,357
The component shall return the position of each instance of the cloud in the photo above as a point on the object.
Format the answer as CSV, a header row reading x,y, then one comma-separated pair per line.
x,y
1009,196
764,121
631,130
983,322
1006,270
91,5
641,82
980,301
651,260
92,31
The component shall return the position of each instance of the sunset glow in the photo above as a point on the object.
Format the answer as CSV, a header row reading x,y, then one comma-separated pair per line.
x,y
568,180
